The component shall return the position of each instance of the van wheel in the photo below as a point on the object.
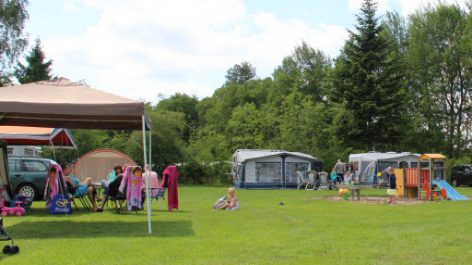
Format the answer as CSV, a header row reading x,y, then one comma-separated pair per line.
x,y
454,183
28,190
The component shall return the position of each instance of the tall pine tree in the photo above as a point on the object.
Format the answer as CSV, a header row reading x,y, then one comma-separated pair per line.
x,y
37,69
368,84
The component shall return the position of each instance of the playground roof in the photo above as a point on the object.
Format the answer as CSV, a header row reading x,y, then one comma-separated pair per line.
x,y
432,156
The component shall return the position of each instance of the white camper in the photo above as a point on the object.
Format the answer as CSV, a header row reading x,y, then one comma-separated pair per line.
x,y
366,164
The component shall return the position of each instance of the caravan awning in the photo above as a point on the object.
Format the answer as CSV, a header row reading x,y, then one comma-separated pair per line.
x,y
243,155
60,103
18,135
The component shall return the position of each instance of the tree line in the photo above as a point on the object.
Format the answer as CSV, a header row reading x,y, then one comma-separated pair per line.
x,y
398,84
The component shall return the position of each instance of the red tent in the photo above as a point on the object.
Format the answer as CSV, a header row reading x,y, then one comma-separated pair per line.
x,y
18,135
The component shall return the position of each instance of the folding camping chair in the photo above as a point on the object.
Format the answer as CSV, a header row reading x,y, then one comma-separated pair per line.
x,y
113,194
311,181
160,194
82,198
154,186
301,180
325,183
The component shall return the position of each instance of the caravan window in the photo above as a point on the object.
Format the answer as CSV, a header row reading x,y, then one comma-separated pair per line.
x,y
291,171
317,166
268,172
355,165
29,152
383,165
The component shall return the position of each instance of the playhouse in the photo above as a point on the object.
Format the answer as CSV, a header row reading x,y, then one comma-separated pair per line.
x,y
422,181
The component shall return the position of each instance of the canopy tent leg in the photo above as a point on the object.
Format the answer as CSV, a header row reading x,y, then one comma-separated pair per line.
x,y
147,175
148,183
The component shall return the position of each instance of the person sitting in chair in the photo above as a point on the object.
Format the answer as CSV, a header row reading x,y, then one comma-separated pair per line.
x,y
80,189
117,170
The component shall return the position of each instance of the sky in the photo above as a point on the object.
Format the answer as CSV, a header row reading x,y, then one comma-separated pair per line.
x,y
147,50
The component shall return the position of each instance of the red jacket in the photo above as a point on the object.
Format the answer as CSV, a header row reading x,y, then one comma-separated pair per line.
x,y
169,181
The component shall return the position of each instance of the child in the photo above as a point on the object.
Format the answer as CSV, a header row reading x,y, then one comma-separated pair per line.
x,y
233,203
392,185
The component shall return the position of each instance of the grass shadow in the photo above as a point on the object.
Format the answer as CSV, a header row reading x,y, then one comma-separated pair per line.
x,y
43,213
118,229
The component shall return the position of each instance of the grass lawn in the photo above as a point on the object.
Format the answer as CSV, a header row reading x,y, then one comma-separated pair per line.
x,y
303,231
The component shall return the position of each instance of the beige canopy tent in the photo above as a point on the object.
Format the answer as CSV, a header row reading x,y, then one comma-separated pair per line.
x,y
96,164
60,103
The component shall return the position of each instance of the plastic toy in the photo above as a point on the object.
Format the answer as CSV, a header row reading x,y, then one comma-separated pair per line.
x,y
4,236
19,211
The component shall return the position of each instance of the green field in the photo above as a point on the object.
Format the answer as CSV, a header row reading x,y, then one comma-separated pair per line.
x,y
303,231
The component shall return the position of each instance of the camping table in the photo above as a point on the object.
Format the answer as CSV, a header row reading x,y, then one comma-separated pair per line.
x,y
355,189
98,187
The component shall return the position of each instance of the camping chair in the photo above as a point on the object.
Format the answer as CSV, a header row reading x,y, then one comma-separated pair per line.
x,y
118,197
311,181
153,186
114,194
82,198
160,194
301,180
325,183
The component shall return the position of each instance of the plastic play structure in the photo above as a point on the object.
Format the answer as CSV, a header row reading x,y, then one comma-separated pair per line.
x,y
420,182
17,210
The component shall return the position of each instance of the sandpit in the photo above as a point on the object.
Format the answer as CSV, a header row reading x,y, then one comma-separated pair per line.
x,y
373,200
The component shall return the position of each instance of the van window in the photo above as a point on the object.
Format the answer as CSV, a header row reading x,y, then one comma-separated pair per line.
x,y
34,165
13,165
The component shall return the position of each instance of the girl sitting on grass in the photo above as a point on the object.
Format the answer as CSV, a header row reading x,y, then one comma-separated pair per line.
x,y
233,203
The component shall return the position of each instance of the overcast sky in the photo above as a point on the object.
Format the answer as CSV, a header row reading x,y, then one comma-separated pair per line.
x,y
142,48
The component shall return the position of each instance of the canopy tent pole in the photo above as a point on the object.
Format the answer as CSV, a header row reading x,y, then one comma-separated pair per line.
x,y
146,166
148,183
